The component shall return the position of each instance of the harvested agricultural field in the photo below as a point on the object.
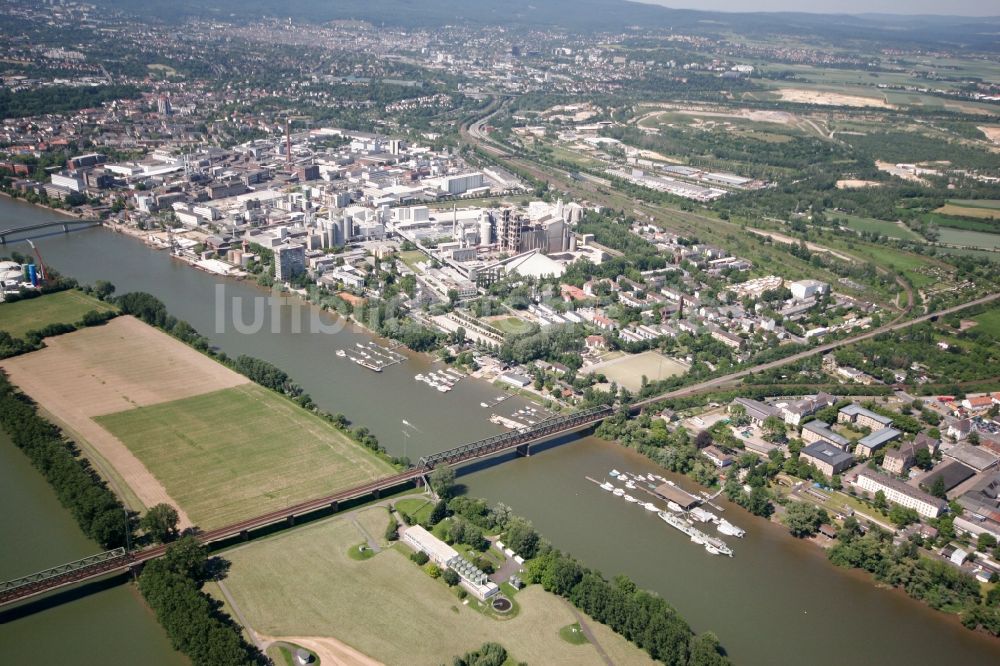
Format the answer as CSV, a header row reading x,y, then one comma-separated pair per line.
x,y
118,366
64,307
827,98
969,211
628,370
240,452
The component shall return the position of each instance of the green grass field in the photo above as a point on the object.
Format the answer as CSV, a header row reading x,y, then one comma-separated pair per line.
x,y
989,321
64,307
239,452
967,238
418,507
905,263
303,583
511,325
993,204
883,227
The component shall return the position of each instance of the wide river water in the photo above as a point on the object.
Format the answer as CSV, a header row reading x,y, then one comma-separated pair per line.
x,y
778,601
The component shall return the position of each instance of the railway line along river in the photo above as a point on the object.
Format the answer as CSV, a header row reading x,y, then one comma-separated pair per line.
x,y
777,601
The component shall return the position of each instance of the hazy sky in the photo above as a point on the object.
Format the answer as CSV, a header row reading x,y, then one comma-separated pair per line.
x,y
950,7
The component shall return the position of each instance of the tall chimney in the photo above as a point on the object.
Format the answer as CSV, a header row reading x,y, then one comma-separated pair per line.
x,y
288,143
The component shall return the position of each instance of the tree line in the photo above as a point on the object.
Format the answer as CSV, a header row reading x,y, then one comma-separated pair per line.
x,y
96,509
194,621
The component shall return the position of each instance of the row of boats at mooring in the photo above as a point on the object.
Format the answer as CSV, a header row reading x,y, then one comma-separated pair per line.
x,y
373,356
675,515
442,380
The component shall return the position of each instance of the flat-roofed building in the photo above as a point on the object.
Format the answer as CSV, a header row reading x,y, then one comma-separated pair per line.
x,y
900,493
826,457
673,493
417,538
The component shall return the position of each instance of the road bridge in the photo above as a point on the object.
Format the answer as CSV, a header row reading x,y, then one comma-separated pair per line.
x,y
67,225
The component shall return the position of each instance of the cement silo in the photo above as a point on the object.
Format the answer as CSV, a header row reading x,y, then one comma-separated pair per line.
x,y
485,229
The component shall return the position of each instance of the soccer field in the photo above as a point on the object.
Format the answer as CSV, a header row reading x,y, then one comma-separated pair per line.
x,y
628,370
240,452
64,307
304,584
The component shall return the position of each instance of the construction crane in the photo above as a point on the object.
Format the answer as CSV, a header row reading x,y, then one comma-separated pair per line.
x,y
41,264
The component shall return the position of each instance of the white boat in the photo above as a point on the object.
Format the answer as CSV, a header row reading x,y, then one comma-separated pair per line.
x,y
444,389
698,538
651,477
483,404
629,498
649,506
712,550
360,346
630,485
341,353
701,515
719,545
607,486
614,472
618,492
727,528
674,506
419,378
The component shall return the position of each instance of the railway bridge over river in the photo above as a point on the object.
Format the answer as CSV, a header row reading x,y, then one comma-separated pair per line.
x,y
66,225
119,561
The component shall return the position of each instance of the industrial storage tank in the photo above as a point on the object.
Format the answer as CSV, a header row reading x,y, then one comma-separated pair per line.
x,y
32,275
485,229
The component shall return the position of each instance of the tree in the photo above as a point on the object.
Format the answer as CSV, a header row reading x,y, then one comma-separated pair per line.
x,y
103,289
420,557
450,577
879,501
188,558
392,530
774,427
439,513
160,522
522,538
938,488
443,480
703,439
902,516
923,458
804,519
986,542
706,651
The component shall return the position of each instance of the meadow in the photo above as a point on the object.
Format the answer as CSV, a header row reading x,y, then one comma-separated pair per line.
x,y
303,583
64,307
239,452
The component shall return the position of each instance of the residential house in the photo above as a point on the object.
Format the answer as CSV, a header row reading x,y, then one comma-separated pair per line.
x,y
858,415
717,456
820,430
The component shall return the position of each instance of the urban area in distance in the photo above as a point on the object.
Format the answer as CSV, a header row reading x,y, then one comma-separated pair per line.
x,y
562,332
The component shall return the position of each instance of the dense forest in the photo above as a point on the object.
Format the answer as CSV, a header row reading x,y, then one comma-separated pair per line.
x,y
59,99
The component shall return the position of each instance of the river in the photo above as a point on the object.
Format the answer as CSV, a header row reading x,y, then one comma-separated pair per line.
x,y
778,601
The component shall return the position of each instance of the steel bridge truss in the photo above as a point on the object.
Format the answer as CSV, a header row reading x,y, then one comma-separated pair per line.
x,y
85,568
515,438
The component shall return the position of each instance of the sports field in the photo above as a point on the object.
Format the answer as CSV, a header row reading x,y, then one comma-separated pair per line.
x,y
239,452
628,371
303,584
64,307
121,365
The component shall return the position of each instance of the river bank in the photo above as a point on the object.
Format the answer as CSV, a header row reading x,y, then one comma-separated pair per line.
x,y
775,601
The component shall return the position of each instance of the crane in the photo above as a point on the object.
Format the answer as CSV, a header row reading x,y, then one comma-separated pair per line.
x,y
41,264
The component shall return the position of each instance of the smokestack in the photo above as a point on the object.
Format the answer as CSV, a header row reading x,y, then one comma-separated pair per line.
x,y
288,143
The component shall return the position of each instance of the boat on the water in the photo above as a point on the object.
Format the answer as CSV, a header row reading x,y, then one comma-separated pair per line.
x,y
615,472
727,528
712,550
341,353
618,492
483,404
701,515
674,506
649,506
629,498
607,486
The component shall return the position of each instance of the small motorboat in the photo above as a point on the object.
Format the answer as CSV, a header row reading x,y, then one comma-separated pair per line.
x,y
607,486
649,506
618,492
629,498
341,353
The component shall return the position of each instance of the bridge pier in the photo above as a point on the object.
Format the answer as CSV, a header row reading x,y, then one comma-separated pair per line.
x,y
334,506
290,520
65,228
376,493
524,451
245,535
